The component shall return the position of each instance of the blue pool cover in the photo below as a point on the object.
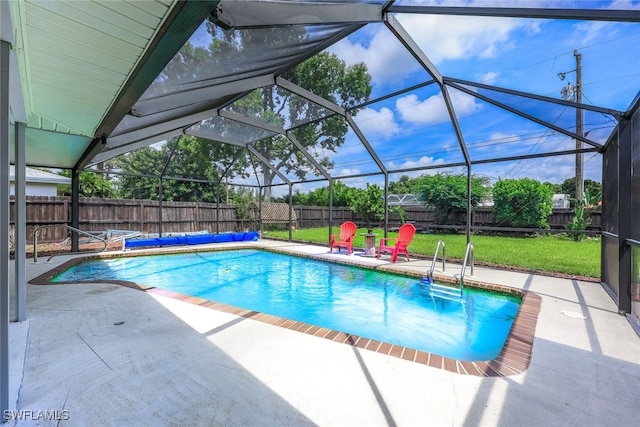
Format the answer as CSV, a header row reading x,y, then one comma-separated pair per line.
x,y
194,239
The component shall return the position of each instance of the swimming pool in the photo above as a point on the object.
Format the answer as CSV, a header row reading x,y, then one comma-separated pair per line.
x,y
377,305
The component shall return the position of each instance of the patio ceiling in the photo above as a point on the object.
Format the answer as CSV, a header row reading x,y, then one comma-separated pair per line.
x,y
101,80
82,64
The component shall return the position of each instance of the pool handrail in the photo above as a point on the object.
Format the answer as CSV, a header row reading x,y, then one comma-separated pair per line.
x,y
468,258
68,227
435,258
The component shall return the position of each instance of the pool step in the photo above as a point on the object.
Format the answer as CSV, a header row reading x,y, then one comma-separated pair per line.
x,y
445,292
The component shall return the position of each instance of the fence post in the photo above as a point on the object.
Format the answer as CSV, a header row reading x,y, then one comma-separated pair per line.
x,y
141,206
197,217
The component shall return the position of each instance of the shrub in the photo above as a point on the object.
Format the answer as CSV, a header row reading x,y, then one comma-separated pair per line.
x,y
446,194
522,203
399,212
577,223
369,202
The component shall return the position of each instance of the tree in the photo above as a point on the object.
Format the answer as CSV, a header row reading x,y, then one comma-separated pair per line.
x,y
92,184
369,202
323,74
243,200
326,76
191,158
143,161
591,187
522,203
447,194
405,185
555,188
320,196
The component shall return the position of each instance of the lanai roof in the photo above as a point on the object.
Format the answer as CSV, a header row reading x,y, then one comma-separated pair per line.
x,y
99,79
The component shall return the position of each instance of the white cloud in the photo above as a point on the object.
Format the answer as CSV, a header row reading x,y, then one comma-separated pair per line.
x,y
505,140
440,37
380,123
348,172
551,169
358,182
424,161
433,109
387,60
490,77
585,32
462,37
504,137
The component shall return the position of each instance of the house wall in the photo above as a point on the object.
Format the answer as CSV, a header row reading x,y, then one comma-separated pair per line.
x,y
36,189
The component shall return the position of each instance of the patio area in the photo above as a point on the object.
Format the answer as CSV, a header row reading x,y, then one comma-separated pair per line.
x,y
110,355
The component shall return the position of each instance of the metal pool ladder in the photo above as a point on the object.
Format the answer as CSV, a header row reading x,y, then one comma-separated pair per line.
x,y
68,227
468,259
435,258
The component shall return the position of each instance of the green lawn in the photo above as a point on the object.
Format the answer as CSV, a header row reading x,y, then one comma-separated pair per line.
x,y
551,253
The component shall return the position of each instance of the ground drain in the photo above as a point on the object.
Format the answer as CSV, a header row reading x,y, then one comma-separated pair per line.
x,y
574,314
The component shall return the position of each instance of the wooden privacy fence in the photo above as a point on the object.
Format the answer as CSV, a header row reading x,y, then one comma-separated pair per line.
x,y
317,216
123,214
144,215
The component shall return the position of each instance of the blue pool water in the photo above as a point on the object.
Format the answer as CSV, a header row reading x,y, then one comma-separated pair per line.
x,y
376,305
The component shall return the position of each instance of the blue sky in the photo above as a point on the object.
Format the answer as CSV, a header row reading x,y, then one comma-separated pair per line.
x,y
413,129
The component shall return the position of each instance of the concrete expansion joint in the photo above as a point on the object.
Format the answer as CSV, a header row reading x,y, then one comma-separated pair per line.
x,y
94,352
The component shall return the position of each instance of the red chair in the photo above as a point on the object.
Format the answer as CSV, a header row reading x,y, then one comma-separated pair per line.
x,y
347,234
405,236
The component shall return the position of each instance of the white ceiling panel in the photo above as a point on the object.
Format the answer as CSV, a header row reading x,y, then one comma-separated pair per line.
x,y
75,56
53,149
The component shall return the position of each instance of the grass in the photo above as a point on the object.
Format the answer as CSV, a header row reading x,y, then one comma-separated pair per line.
x,y
545,253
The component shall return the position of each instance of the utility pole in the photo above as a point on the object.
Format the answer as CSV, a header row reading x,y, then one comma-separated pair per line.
x,y
574,93
579,130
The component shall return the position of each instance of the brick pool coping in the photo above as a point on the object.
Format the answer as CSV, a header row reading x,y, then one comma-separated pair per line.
x,y
514,358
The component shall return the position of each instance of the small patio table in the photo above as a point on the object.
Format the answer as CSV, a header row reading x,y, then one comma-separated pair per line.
x,y
369,244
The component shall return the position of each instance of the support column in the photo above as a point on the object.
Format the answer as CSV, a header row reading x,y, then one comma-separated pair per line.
x,y
160,207
469,205
5,48
20,228
75,209
260,209
290,212
625,169
218,208
330,207
386,204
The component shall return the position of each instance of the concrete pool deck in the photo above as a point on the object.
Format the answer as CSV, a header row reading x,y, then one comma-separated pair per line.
x,y
176,363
